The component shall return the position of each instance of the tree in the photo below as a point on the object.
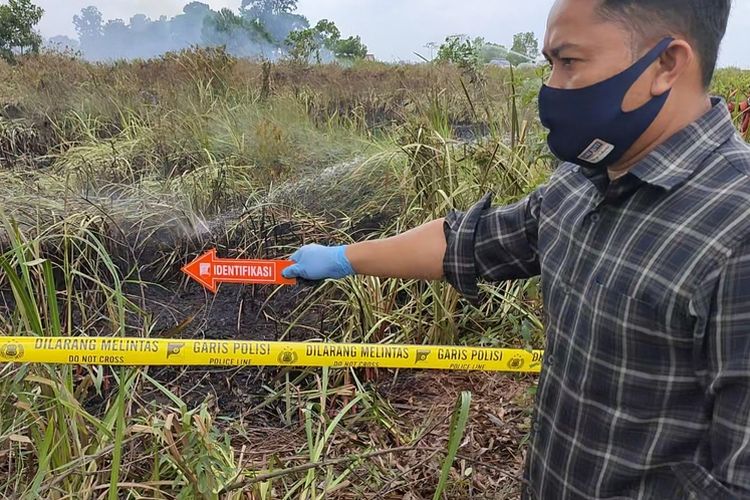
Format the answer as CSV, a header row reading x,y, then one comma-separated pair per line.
x,y
277,17
185,29
301,44
305,43
526,44
279,26
89,24
260,7
139,23
225,21
259,28
461,51
196,8
240,36
17,21
327,34
351,48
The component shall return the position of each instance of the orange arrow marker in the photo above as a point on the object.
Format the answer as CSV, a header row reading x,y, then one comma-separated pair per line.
x,y
209,271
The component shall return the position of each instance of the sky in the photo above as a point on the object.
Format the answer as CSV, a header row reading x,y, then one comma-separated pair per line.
x,y
394,29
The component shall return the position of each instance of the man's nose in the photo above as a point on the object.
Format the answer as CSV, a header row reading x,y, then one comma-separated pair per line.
x,y
554,80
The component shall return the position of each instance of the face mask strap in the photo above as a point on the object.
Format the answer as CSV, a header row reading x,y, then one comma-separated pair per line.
x,y
641,66
648,59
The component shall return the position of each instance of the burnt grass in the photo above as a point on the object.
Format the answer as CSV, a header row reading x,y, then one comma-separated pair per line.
x,y
172,306
179,307
236,312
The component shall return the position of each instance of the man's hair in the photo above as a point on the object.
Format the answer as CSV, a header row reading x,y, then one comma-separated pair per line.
x,y
702,22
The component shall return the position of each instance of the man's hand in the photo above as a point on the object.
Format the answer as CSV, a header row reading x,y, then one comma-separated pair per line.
x,y
317,262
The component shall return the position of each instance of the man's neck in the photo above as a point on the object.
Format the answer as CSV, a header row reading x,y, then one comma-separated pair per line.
x,y
673,126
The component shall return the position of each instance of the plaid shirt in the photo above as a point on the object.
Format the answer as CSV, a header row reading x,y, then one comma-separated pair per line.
x,y
645,387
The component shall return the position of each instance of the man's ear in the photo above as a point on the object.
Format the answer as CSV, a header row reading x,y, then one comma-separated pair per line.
x,y
674,63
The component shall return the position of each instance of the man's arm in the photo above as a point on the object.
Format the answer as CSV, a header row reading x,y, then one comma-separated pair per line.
x,y
492,243
727,347
415,254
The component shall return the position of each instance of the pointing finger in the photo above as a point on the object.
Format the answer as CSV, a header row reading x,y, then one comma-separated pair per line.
x,y
292,272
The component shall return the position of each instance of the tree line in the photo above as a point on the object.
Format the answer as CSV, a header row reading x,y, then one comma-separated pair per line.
x,y
267,29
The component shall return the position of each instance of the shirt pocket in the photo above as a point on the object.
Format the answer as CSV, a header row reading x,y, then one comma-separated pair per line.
x,y
638,351
638,321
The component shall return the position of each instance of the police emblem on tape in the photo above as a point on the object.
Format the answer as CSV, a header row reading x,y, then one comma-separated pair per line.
x,y
422,355
174,348
516,362
11,352
287,357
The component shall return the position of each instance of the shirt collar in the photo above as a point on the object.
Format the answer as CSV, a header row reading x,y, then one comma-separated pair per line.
x,y
673,161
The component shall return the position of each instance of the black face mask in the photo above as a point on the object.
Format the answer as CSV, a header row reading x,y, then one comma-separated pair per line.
x,y
587,126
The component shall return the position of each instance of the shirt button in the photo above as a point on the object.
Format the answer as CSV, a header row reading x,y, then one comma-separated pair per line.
x,y
566,289
595,218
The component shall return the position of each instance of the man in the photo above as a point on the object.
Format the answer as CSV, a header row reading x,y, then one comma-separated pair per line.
x,y
642,240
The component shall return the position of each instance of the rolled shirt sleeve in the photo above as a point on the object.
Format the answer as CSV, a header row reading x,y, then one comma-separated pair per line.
x,y
495,244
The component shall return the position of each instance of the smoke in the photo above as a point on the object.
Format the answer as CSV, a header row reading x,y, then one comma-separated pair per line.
x,y
255,32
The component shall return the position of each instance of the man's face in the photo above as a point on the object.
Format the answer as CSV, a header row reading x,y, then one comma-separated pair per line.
x,y
582,48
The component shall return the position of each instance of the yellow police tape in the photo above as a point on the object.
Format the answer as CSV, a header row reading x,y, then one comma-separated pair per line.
x,y
159,352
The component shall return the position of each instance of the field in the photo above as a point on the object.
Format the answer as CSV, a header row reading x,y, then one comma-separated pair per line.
x,y
114,176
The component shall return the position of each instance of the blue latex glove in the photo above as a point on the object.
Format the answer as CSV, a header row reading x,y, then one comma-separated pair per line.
x,y
317,262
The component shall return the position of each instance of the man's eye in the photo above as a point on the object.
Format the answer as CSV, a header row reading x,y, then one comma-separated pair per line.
x,y
567,61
